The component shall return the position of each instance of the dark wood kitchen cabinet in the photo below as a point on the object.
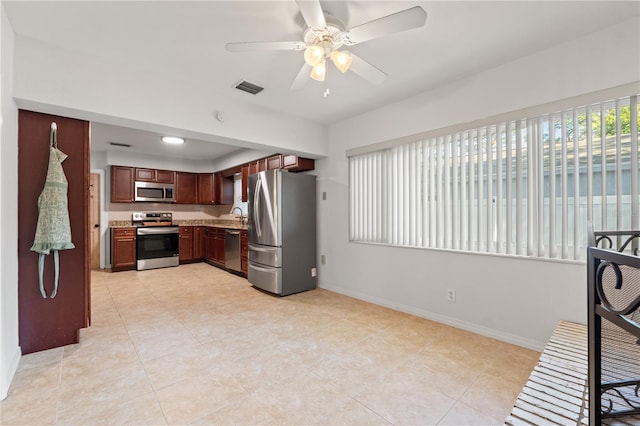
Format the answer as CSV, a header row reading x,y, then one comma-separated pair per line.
x,y
274,162
198,242
185,244
223,189
245,182
153,175
244,252
214,245
122,184
186,186
209,244
206,188
123,249
220,246
258,166
45,323
293,163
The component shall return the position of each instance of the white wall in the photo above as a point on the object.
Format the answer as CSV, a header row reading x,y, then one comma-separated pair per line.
x,y
9,349
514,299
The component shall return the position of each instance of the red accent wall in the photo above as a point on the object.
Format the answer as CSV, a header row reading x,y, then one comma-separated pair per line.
x,y
49,323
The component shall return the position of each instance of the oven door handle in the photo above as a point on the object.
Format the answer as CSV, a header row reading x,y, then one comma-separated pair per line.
x,y
156,231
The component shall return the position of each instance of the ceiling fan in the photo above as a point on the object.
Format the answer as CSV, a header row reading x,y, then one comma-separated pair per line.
x,y
325,35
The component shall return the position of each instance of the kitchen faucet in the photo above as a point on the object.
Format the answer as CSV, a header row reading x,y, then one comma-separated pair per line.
x,y
241,214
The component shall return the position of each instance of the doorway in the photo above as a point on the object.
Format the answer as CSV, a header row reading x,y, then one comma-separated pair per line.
x,y
94,220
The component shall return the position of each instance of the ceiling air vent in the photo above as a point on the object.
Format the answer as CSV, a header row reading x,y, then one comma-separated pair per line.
x,y
245,86
124,145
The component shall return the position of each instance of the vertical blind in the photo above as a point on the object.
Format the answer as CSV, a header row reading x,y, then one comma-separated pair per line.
x,y
524,187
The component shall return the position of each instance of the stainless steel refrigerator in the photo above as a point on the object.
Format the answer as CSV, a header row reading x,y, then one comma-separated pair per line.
x,y
282,232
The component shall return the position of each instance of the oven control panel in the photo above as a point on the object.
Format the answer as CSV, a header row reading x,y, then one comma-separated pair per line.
x,y
137,217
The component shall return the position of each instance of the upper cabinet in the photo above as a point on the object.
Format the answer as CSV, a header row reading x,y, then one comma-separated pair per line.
x,y
274,162
201,188
224,188
293,163
122,184
153,175
214,188
186,185
245,182
206,188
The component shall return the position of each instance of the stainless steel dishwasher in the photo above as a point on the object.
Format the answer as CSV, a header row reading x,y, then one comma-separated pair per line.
x,y
232,250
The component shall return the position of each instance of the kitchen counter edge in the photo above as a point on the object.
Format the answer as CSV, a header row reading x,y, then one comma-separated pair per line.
x,y
124,224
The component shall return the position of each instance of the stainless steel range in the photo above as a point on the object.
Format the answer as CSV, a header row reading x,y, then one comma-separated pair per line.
x,y
157,240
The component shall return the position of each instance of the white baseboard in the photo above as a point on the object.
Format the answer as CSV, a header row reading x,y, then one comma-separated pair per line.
x,y
7,376
443,319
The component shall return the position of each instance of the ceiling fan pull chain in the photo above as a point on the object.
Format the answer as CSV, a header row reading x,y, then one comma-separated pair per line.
x,y
326,89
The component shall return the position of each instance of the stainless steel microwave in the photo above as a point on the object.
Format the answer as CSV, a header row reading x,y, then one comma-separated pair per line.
x,y
156,192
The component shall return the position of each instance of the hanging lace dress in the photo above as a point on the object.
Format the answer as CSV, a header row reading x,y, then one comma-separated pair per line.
x,y
53,231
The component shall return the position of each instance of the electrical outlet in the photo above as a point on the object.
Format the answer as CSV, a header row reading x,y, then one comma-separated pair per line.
x,y
451,295
323,259
314,272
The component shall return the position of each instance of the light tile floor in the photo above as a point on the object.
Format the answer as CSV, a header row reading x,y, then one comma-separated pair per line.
x,y
196,345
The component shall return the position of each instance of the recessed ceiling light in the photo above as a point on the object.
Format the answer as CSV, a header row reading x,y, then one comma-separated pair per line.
x,y
172,139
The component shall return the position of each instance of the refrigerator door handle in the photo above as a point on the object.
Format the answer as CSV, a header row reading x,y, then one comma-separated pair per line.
x,y
266,250
256,206
264,269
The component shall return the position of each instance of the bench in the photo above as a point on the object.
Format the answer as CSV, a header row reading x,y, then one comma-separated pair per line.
x,y
603,356
556,392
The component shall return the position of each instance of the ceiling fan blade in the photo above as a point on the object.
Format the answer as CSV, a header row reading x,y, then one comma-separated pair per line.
x,y
302,77
401,21
367,71
254,46
312,14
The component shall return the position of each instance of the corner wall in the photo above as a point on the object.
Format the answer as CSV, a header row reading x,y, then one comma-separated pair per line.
x,y
9,349
514,299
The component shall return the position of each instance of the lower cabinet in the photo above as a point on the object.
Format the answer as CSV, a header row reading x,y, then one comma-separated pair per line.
x,y
198,242
209,243
123,249
244,252
214,245
185,248
220,246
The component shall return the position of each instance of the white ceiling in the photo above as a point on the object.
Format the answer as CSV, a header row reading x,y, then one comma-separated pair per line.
x,y
188,38
146,142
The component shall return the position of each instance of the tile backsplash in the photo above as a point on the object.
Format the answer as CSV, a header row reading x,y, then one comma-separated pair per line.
x,y
121,213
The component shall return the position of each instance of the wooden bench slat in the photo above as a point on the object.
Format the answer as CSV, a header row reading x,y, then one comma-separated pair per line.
x,y
553,392
535,419
515,421
548,415
576,391
552,408
543,369
559,380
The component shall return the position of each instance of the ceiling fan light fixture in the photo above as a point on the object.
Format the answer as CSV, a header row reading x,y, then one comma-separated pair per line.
x,y
342,60
319,71
313,55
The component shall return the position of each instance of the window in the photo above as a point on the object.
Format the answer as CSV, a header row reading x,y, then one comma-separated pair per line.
x,y
237,195
525,186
